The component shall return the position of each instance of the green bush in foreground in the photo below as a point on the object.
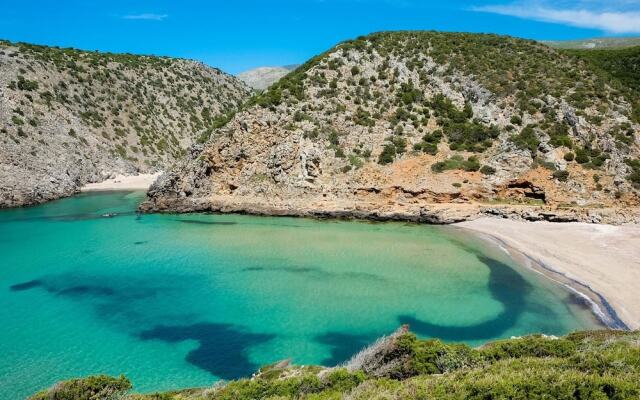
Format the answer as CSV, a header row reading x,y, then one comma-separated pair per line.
x,y
99,387
584,365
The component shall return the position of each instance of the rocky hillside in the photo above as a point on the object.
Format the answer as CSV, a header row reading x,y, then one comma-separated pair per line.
x,y
582,365
393,125
69,117
263,77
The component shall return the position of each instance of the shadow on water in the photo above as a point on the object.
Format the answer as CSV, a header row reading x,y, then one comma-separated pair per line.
x,y
342,345
222,349
506,286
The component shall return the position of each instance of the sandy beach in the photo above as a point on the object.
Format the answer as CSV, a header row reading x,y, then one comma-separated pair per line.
x,y
123,182
603,258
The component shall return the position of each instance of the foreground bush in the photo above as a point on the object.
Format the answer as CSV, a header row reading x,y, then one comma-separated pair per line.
x,y
100,387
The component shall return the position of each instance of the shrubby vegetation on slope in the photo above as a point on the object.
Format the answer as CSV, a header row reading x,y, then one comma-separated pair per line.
x,y
397,111
584,365
70,115
621,66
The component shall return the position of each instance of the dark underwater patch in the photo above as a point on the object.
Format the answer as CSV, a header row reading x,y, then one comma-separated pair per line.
x,y
80,287
321,273
18,287
294,270
86,290
223,348
578,301
342,345
506,286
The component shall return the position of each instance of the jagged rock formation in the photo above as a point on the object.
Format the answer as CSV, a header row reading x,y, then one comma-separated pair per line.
x,y
392,124
69,117
263,77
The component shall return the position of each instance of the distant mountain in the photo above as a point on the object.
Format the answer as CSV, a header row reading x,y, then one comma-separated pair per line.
x,y
69,117
595,43
393,123
263,77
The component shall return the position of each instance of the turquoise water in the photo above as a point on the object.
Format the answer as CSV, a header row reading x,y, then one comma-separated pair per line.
x,y
175,301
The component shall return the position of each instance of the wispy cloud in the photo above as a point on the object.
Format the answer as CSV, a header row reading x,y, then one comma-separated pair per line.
x,y
582,14
147,16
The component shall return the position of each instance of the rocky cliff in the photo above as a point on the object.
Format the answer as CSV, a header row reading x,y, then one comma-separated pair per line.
x,y
393,125
69,117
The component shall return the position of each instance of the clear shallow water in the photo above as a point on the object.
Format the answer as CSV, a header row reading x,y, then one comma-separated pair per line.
x,y
175,301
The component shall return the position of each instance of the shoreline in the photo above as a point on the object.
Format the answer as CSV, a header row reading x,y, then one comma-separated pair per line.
x,y
607,279
600,307
445,213
122,182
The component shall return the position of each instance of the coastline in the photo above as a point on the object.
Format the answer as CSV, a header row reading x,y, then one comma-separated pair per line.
x,y
599,262
376,209
123,182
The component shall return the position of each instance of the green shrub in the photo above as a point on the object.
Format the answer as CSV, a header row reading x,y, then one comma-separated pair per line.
x,y
388,154
527,140
560,175
334,139
529,346
487,170
91,388
569,157
559,135
456,162
634,176
363,117
25,84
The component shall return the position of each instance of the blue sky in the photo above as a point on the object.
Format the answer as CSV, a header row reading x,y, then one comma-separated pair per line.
x,y
236,35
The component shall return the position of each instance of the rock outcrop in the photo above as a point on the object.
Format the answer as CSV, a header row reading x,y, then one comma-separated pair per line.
x,y
262,78
70,117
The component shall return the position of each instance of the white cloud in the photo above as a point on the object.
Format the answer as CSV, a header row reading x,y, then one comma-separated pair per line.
x,y
608,20
147,16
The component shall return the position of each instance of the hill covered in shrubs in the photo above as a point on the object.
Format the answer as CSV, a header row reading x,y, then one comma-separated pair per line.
x,y
390,123
68,117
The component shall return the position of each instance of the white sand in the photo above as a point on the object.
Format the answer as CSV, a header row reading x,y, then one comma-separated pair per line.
x,y
123,182
605,258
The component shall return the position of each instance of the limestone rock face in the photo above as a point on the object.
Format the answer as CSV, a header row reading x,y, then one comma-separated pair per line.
x,y
70,117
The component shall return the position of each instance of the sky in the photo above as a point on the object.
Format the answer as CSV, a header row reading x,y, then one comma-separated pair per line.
x,y
236,35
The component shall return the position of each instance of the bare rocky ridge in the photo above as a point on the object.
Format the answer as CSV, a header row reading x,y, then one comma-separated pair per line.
x,y
70,117
263,77
422,126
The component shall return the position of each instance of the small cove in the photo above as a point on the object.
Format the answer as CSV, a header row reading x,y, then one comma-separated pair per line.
x,y
175,301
